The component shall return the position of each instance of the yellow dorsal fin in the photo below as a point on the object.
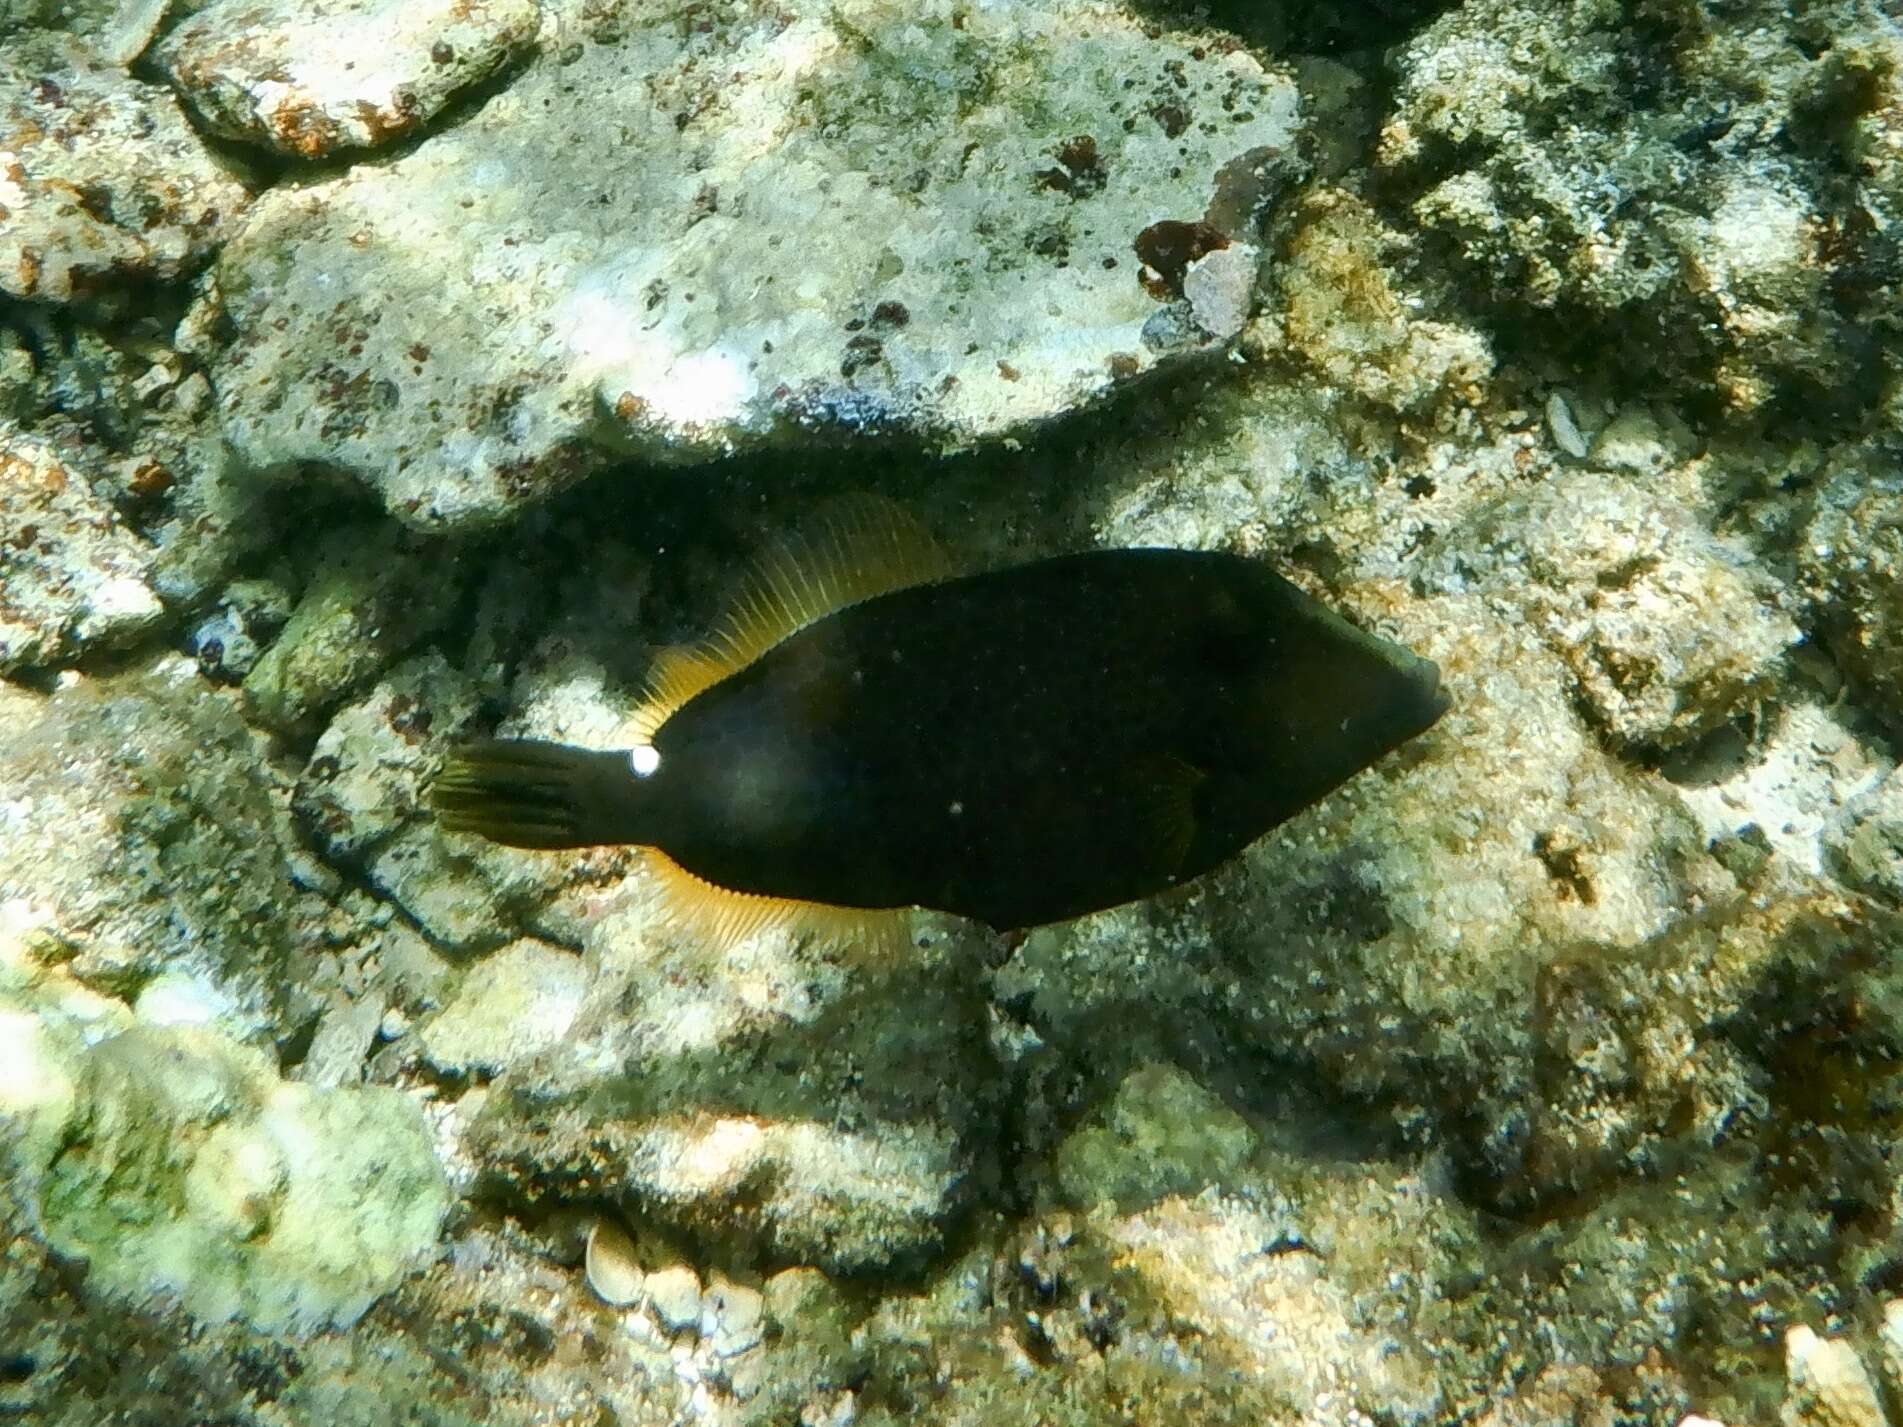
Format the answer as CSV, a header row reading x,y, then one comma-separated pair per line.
x,y
722,919
855,548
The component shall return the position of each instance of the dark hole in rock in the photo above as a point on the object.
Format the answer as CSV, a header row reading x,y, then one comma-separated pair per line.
x,y
1565,863
1080,169
1717,757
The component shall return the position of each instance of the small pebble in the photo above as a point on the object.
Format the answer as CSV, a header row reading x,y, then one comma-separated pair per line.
x,y
747,1375
731,1316
1220,289
674,1294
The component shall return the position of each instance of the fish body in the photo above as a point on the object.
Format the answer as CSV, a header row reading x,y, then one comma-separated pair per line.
x,y
1019,747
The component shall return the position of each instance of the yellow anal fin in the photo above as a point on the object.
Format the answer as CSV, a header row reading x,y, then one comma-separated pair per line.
x,y
856,547
721,919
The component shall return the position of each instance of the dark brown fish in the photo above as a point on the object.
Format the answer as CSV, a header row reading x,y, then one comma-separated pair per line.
x,y
1020,746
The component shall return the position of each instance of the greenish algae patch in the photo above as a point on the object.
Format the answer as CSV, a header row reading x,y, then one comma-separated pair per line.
x,y
186,1169
1161,1133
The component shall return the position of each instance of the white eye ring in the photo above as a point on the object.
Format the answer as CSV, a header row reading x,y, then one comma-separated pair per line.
x,y
644,758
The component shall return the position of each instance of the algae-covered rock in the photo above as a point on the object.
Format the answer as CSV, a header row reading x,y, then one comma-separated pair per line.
x,y
145,840
1667,632
1344,313
371,597
312,77
683,231
101,177
1852,558
1161,1133
1867,849
515,1003
760,1096
75,578
1616,170
186,1170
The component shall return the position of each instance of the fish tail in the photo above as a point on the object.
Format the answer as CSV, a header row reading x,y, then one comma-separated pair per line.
x,y
531,793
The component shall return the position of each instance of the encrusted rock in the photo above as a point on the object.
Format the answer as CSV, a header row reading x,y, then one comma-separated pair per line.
x,y
191,1172
139,823
760,1095
1667,631
72,576
513,1004
101,177
1829,1385
312,77
683,231
1852,558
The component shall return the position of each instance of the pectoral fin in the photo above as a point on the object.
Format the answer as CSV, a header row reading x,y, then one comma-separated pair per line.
x,y
1165,788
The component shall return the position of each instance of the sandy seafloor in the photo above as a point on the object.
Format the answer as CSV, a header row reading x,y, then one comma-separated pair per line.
x,y
373,374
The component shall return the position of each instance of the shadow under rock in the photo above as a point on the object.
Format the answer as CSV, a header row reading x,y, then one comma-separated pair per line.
x,y
1304,27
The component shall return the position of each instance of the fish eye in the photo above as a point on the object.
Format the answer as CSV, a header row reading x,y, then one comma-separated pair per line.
x,y
644,758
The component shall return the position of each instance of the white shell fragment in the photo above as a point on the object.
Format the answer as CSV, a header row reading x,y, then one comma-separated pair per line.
x,y
1828,1385
1566,433
613,1270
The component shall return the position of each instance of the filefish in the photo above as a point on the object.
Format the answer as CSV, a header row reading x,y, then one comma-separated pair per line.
x,y
867,732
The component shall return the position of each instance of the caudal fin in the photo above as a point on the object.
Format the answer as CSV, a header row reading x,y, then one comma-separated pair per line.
x,y
531,793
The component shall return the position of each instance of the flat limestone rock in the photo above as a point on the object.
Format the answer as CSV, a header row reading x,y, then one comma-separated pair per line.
x,y
101,177
74,578
315,77
688,229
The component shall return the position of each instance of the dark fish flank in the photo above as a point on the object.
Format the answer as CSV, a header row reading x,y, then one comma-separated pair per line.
x,y
1019,747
